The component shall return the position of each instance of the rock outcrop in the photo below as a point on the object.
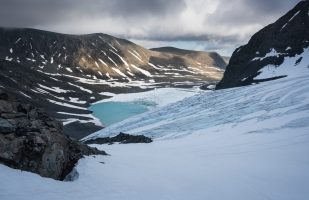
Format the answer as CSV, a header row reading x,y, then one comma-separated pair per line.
x,y
122,138
30,140
269,47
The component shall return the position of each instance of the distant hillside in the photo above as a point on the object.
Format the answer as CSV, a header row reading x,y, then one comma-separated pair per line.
x,y
226,59
65,73
208,58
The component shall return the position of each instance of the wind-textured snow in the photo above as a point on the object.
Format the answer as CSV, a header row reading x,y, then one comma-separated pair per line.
x,y
97,64
66,104
103,62
92,119
25,95
81,88
141,84
113,47
110,94
69,69
119,72
152,65
137,57
100,73
8,59
76,100
145,72
54,89
30,59
112,61
121,58
130,73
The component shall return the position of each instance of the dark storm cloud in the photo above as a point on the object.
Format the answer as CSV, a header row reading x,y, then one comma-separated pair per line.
x,y
141,8
214,24
271,6
30,13
251,11
187,37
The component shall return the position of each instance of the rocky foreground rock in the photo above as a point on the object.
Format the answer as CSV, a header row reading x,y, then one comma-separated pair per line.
x,y
30,140
122,138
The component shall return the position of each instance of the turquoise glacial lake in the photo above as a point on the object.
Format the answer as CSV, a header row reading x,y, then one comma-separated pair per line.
x,y
112,112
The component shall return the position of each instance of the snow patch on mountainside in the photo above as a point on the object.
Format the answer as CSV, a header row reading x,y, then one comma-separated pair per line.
x,y
291,66
119,72
145,72
66,104
91,118
137,57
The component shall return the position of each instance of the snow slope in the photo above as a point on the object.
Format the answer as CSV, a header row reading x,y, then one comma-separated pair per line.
x,y
157,96
291,66
266,107
242,143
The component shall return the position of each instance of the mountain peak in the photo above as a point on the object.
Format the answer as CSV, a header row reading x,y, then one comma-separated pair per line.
x,y
287,37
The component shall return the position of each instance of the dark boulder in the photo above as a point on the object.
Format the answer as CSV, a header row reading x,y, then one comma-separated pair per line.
x,y
31,141
122,138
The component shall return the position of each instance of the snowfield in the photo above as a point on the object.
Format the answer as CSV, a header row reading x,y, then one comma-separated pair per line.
x,y
262,108
158,96
291,66
242,143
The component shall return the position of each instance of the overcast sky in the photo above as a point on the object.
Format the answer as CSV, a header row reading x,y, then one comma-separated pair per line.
x,y
210,25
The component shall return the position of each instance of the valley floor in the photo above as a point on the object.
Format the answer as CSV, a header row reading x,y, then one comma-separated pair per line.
x,y
241,143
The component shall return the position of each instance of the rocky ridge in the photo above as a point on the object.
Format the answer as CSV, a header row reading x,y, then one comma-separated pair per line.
x,y
32,141
286,38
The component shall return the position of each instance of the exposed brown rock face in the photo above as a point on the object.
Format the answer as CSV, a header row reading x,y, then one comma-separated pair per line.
x,y
30,140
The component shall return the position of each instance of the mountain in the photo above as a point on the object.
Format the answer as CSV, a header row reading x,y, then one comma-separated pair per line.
x,y
249,142
207,58
65,73
278,50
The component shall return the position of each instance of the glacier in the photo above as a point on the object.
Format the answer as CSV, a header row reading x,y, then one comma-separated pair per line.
x,y
263,108
242,143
